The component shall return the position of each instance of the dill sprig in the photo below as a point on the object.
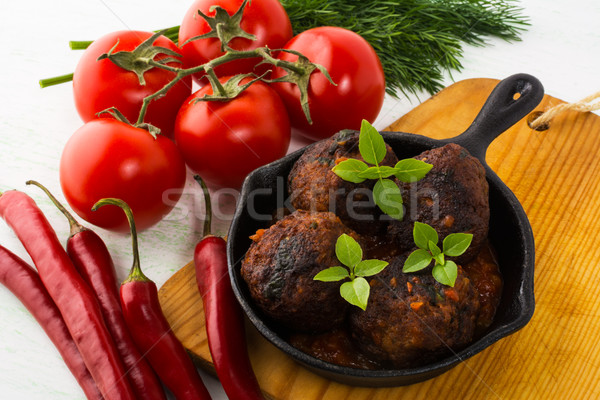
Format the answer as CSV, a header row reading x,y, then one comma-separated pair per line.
x,y
418,41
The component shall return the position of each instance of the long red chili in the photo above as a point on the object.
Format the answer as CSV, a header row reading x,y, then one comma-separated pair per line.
x,y
95,264
150,328
23,281
72,296
224,318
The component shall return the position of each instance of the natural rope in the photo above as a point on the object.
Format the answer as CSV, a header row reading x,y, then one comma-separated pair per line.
x,y
542,119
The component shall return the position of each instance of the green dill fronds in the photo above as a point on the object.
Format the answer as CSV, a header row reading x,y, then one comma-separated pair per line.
x,y
418,41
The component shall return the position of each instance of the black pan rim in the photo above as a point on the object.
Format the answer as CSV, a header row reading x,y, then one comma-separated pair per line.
x,y
387,377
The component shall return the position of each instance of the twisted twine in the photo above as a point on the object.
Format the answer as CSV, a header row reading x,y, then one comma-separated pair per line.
x,y
541,120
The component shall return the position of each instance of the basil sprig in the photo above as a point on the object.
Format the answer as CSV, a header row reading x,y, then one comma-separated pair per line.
x,y
386,193
349,253
426,238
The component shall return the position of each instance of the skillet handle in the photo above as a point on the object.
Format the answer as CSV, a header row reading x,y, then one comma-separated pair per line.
x,y
512,99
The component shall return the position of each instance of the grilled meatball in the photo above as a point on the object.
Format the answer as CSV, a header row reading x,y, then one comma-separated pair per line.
x,y
314,186
281,263
411,319
452,197
485,274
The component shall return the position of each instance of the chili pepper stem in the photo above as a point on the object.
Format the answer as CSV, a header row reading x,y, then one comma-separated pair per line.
x,y
74,226
135,274
207,206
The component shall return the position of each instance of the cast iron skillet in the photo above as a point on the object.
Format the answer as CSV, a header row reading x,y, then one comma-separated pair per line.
x,y
265,190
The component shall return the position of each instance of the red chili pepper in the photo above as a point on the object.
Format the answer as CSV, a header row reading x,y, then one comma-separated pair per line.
x,y
24,282
150,328
72,296
224,318
95,264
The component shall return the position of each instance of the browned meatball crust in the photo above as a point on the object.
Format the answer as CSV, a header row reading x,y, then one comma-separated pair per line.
x,y
411,319
452,197
314,186
484,273
281,263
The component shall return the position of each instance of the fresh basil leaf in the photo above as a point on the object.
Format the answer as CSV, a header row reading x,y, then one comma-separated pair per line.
x,y
388,198
332,274
439,258
348,251
445,273
371,144
417,260
456,244
369,267
434,249
423,234
350,169
412,170
356,292
382,171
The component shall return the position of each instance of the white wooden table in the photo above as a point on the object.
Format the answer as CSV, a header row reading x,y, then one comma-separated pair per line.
x,y
561,48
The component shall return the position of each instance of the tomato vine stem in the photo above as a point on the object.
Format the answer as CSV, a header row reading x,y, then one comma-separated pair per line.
x,y
80,44
299,72
57,80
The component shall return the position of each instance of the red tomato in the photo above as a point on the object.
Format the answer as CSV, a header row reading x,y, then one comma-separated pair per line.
x,y
109,158
352,64
224,141
266,19
98,85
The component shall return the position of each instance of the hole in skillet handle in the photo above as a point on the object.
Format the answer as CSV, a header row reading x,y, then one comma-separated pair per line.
x,y
510,101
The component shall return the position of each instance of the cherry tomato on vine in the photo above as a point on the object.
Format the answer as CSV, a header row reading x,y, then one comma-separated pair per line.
x,y
266,19
352,64
109,158
100,84
223,141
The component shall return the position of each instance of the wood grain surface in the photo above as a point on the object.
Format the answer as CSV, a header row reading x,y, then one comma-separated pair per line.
x,y
554,174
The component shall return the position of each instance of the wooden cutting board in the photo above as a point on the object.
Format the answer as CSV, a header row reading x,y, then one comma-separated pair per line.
x,y
554,174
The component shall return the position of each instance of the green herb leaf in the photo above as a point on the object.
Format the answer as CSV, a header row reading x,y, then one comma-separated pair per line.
x,y
456,244
423,233
412,170
348,251
417,260
371,144
388,198
436,252
434,249
369,267
332,274
445,274
440,258
382,171
350,170
356,292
